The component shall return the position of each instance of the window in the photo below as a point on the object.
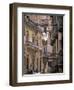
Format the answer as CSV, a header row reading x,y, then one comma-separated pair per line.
x,y
27,62
27,35
33,38
37,41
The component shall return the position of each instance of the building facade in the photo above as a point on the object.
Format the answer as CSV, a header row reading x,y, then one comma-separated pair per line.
x,y
42,44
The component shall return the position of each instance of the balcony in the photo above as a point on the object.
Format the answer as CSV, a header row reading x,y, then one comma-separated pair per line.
x,y
32,45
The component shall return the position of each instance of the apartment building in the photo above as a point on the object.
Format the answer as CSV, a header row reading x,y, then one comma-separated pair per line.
x,y
42,44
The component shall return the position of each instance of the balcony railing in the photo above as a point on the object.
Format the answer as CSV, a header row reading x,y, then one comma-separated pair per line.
x,y
33,45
